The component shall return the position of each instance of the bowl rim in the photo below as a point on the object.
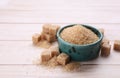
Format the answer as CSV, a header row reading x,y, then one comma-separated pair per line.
x,y
61,29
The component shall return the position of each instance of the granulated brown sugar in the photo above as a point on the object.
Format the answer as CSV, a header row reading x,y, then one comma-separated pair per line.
x,y
72,66
78,35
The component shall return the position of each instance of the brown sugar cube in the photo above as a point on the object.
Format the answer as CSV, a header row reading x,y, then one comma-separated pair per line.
x,y
49,32
105,41
45,56
101,30
42,36
50,38
50,29
36,38
63,59
46,28
105,49
53,29
53,62
117,45
54,51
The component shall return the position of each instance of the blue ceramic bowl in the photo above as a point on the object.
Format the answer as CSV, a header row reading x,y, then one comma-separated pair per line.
x,y
80,52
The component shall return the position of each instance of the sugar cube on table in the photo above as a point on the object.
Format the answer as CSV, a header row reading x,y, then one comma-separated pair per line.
x,y
54,51
50,29
49,32
46,28
45,56
36,38
101,30
53,62
105,41
117,45
105,49
63,59
50,38
53,29
43,36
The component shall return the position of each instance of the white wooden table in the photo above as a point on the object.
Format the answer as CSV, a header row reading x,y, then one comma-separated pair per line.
x,y
20,19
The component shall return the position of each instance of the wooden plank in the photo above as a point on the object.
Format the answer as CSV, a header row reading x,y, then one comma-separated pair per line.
x,y
33,4
23,52
21,44
18,52
64,16
25,11
86,71
25,31
4,3
18,31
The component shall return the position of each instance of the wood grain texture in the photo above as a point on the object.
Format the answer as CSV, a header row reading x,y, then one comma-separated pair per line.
x,y
75,11
86,71
23,52
25,31
20,19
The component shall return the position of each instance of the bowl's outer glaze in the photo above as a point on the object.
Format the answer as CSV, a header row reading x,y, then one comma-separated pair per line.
x,y
80,52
